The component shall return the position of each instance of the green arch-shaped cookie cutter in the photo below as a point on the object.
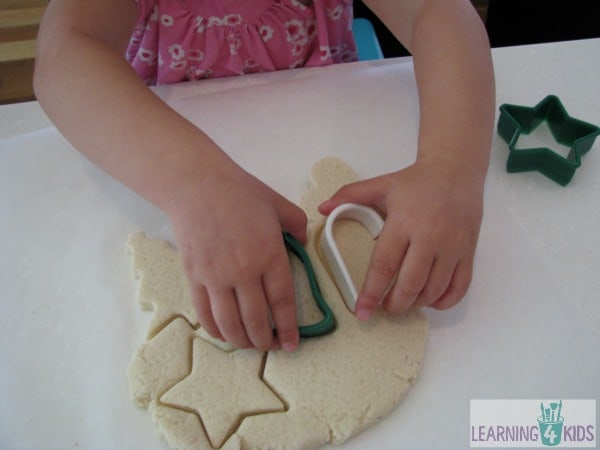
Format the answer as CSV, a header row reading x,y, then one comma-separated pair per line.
x,y
327,325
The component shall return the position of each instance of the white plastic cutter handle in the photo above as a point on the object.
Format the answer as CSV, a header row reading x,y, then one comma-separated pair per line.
x,y
367,217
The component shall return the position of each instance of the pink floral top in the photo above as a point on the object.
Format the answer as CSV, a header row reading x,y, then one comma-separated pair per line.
x,y
177,40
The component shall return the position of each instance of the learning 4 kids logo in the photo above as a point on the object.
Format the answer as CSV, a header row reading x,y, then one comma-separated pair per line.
x,y
533,423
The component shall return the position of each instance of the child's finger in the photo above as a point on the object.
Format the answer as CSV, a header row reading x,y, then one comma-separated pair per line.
x,y
385,261
458,286
227,317
255,315
278,286
437,283
201,302
412,277
368,193
292,219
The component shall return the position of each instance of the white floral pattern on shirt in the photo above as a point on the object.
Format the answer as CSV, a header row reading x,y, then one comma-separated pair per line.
x,y
266,32
166,20
176,51
170,44
335,13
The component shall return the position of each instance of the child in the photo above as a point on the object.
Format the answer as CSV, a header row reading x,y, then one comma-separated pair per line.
x,y
227,223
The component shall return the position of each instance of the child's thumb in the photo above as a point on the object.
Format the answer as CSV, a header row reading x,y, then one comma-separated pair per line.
x,y
350,193
292,219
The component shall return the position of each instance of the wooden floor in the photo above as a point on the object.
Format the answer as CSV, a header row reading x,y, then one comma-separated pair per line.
x,y
481,6
19,22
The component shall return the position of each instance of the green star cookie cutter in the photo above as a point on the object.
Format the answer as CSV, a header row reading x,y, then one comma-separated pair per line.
x,y
327,324
574,133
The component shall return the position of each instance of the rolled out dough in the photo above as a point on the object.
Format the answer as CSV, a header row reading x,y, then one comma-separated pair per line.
x,y
203,394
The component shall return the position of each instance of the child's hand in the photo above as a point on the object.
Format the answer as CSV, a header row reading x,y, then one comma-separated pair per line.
x,y
433,214
229,231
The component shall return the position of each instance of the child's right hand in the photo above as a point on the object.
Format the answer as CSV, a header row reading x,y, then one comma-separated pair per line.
x,y
228,227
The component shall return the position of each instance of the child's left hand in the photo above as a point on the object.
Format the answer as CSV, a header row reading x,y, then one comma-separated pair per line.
x,y
433,214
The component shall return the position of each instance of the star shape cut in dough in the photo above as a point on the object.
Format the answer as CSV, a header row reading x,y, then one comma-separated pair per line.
x,y
574,133
222,389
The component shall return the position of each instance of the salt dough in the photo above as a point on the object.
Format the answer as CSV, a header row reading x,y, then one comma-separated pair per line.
x,y
203,394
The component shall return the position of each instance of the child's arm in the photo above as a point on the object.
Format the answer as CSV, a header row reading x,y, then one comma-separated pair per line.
x,y
434,207
227,223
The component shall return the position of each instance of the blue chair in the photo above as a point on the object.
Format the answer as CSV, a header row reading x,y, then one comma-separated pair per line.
x,y
366,40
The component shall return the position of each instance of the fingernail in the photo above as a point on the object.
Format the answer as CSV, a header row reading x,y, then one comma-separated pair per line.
x,y
364,314
289,346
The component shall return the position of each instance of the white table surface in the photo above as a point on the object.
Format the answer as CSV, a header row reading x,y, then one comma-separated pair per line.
x,y
528,327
